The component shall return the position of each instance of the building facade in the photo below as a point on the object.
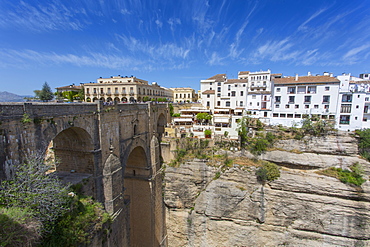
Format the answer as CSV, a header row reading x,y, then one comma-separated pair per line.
x,y
125,89
184,95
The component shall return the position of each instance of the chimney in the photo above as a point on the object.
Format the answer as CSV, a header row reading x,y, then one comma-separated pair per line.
x,y
309,73
296,77
331,74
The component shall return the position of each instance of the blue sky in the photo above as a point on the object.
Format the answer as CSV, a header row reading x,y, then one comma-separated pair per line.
x,y
177,42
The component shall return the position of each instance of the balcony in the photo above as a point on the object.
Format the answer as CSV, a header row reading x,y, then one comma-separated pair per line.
x,y
258,86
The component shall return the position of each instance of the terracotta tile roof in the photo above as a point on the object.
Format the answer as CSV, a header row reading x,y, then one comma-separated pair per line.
x,y
236,81
220,77
243,73
305,79
359,82
70,87
209,92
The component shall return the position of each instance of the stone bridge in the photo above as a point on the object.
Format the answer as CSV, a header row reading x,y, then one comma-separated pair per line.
x,y
113,149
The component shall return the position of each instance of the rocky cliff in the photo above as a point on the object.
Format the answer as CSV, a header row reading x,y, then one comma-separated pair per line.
x,y
210,206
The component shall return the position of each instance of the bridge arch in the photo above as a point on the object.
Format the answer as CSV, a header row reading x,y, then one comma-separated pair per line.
x,y
137,189
72,151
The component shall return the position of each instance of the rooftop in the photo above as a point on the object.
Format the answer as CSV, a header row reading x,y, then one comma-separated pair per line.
x,y
306,79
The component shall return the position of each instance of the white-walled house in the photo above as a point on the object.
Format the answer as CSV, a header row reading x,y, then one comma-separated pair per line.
x,y
353,107
297,97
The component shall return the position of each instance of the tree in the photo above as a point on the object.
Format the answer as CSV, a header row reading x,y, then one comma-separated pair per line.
x,y
243,130
32,188
203,117
45,94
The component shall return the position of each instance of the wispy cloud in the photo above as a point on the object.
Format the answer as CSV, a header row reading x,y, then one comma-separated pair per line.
x,y
352,55
52,16
156,52
303,26
52,58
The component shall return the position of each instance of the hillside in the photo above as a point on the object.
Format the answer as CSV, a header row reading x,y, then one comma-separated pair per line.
x,y
10,97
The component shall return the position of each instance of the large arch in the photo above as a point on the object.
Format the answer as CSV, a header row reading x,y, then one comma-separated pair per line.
x,y
72,153
138,192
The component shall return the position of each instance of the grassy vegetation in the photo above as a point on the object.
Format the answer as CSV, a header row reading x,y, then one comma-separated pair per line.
x,y
352,176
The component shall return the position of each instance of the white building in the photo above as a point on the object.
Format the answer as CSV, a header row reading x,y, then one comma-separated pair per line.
x,y
353,108
301,96
258,94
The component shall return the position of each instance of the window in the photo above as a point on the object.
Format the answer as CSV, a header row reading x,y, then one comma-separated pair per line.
x,y
208,104
347,98
218,95
87,90
357,106
306,106
253,96
282,114
227,103
326,99
291,99
258,103
101,91
327,88
228,87
243,85
207,95
275,115
277,99
366,108
286,106
316,106
366,98
344,119
241,103
241,93
291,89
250,103
219,89
95,90
311,89
210,83
218,103
307,99
233,93
278,89
296,106
301,89
290,115
277,106
297,115
218,83
326,106
345,108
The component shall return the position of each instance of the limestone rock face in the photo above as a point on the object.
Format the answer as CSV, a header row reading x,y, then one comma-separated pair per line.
x,y
300,208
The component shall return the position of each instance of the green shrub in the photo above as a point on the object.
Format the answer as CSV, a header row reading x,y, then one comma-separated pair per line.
x,y
353,176
268,172
258,146
79,225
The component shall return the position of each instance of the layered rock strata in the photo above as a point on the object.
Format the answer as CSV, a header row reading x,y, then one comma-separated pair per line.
x,y
300,208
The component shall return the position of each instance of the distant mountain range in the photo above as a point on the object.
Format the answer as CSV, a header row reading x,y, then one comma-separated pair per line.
x,y
11,97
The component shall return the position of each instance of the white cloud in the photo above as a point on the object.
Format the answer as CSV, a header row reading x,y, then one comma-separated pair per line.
x,y
52,16
303,26
351,54
159,23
